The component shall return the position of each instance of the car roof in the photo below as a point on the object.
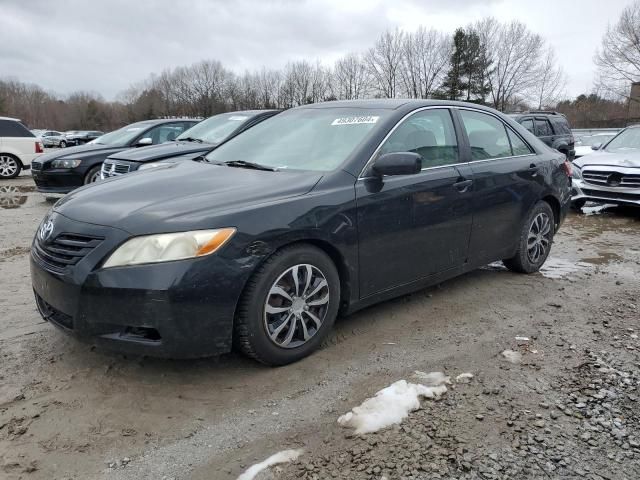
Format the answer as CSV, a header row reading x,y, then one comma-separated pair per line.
x,y
394,104
158,121
10,118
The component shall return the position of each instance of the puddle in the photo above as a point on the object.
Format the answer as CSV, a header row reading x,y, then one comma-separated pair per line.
x,y
603,258
558,268
12,196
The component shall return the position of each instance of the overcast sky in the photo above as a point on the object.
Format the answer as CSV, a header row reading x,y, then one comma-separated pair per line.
x,y
105,45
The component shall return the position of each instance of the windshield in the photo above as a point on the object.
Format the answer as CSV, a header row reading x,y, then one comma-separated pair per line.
x,y
124,135
594,140
317,139
215,129
628,139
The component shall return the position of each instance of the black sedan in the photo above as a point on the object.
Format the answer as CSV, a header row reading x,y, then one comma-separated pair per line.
x,y
64,171
320,210
198,140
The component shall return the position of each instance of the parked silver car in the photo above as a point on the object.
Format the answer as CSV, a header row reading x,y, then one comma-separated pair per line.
x,y
610,174
53,138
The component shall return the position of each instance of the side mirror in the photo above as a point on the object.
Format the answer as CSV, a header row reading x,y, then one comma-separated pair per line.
x,y
596,146
398,163
143,142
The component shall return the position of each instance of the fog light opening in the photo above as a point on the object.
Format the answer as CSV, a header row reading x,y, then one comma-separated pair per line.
x,y
142,334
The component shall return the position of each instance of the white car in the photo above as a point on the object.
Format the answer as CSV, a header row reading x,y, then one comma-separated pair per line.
x,y
18,147
586,144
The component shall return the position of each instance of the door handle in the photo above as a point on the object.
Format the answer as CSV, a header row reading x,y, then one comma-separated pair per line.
x,y
462,185
533,169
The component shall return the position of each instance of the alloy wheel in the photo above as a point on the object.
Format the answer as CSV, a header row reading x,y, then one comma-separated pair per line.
x,y
8,166
538,238
296,306
94,177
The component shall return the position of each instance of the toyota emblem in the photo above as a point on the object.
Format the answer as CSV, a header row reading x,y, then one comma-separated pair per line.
x,y
45,231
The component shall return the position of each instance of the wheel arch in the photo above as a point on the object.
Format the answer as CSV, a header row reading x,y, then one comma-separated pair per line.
x,y
554,203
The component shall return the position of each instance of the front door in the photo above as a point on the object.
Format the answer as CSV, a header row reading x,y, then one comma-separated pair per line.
x,y
413,226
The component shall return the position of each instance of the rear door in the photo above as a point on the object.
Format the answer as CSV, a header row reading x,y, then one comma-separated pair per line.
x,y
17,140
413,226
505,174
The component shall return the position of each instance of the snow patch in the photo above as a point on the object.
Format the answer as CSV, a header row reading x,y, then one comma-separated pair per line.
x,y
392,404
464,378
281,457
513,357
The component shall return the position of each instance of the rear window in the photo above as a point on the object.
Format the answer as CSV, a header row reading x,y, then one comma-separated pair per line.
x,y
11,128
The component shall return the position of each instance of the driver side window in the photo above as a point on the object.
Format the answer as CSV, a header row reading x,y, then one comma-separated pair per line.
x,y
429,133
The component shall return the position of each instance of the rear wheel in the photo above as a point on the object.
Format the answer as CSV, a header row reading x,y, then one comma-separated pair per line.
x,y
536,237
93,175
10,166
288,306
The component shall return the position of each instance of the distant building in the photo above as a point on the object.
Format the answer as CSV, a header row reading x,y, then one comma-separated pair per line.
x,y
634,101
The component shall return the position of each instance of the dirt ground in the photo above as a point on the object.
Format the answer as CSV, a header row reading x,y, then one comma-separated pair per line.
x,y
569,409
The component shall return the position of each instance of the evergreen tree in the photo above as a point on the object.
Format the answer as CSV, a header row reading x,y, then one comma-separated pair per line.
x,y
453,85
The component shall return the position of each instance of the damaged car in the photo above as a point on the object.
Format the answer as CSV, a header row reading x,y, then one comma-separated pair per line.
x,y
610,174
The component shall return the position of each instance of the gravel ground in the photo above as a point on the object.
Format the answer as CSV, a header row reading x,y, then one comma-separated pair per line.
x,y
567,410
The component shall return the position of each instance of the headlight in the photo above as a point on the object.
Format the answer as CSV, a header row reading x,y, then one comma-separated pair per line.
x,y
146,166
65,163
576,172
165,247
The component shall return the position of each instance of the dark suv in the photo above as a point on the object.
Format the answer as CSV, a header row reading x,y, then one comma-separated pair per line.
x,y
550,127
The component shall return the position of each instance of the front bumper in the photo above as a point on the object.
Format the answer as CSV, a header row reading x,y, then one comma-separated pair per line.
x,y
181,309
57,180
581,190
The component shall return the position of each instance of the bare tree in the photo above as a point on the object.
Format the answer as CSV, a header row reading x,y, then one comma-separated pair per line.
x,y
425,56
384,61
618,59
516,53
350,77
549,88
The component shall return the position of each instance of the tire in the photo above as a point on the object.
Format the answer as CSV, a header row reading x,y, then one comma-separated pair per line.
x,y
533,252
93,175
10,166
63,144
278,337
578,204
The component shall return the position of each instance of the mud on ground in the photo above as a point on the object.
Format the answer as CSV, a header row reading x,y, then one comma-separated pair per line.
x,y
568,410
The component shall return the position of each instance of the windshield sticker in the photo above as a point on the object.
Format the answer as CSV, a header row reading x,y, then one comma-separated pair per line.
x,y
237,118
355,120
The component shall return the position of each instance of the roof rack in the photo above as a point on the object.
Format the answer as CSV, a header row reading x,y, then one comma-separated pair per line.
x,y
547,112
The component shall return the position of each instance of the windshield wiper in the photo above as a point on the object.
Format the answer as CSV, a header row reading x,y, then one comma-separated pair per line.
x,y
189,139
245,164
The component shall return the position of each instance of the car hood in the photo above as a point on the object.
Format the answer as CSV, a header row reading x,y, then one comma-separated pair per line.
x,y
79,152
159,152
629,158
182,196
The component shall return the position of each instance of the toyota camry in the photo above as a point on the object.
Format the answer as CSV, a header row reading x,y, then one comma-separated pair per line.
x,y
318,211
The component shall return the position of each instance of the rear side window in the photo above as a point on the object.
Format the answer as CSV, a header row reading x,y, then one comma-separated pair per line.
x,y
561,126
487,135
429,133
528,124
11,128
543,127
517,145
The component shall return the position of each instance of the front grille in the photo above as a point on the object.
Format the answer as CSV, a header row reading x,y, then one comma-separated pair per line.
x,y
36,165
622,180
65,250
52,314
611,195
112,169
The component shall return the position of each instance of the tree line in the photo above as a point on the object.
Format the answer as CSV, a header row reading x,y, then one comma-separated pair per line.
x,y
503,65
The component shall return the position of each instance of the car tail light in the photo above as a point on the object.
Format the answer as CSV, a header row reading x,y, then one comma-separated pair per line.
x,y
39,147
568,168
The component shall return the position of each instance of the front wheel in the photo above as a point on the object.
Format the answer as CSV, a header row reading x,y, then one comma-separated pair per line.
x,y
288,306
10,166
536,237
63,144
93,175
